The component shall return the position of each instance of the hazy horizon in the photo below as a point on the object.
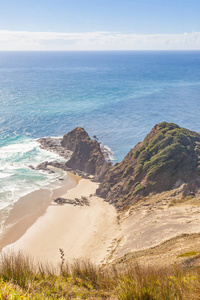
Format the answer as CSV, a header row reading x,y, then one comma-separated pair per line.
x,y
99,25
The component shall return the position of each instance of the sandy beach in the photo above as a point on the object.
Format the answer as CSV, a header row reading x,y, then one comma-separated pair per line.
x,y
85,232
29,208
40,227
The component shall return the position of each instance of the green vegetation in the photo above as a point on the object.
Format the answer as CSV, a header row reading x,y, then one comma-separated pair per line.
x,y
139,187
82,280
171,147
188,254
169,153
136,154
128,171
168,157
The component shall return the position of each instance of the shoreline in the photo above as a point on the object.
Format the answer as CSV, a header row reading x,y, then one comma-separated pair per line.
x,y
82,232
79,222
30,207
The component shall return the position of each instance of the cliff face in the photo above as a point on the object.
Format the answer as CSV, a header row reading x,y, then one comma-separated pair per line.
x,y
167,157
72,138
87,155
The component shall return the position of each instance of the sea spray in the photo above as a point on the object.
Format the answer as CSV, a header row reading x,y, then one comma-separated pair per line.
x,y
16,177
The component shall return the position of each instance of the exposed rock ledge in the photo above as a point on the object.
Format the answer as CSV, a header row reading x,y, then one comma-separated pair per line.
x,y
55,145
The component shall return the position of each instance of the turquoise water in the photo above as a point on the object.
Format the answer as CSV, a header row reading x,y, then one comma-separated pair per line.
x,y
16,178
118,96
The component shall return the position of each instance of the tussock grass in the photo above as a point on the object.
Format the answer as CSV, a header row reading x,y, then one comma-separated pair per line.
x,y
17,267
20,279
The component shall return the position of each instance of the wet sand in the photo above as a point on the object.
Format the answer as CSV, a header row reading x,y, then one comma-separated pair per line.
x,y
29,208
83,232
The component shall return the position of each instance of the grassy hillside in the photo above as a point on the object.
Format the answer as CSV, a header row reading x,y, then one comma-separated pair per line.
x,y
82,280
168,157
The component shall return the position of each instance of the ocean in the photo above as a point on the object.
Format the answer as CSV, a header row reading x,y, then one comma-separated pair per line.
x,y
117,96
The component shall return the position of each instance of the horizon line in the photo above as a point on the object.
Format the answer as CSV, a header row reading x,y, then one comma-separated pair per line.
x,y
111,50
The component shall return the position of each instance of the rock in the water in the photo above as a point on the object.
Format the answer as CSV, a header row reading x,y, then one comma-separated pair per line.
x,y
54,145
87,155
44,167
86,159
31,167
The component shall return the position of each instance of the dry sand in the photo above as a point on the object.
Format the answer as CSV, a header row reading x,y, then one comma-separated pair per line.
x,y
149,224
29,208
155,230
81,231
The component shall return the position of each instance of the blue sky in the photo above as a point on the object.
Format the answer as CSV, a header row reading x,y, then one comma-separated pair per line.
x,y
110,23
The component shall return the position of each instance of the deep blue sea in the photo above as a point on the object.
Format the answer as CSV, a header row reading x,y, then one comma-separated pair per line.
x,y
117,96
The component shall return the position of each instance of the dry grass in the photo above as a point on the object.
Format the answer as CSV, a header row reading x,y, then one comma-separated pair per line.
x,y
19,279
17,267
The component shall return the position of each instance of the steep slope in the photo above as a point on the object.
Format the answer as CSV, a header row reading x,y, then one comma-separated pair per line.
x,y
72,138
87,155
168,157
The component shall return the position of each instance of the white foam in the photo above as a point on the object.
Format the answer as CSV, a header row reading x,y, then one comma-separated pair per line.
x,y
4,204
18,148
5,175
108,153
15,160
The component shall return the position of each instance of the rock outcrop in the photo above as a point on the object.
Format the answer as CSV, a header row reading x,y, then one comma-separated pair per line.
x,y
55,145
84,201
84,155
87,155
72,138
168,157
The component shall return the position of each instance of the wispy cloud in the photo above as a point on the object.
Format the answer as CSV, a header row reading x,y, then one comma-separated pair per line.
x,y
100,40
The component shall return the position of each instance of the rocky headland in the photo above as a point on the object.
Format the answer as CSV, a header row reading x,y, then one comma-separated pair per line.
x,y
144,225
167,158
155,190
83,155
